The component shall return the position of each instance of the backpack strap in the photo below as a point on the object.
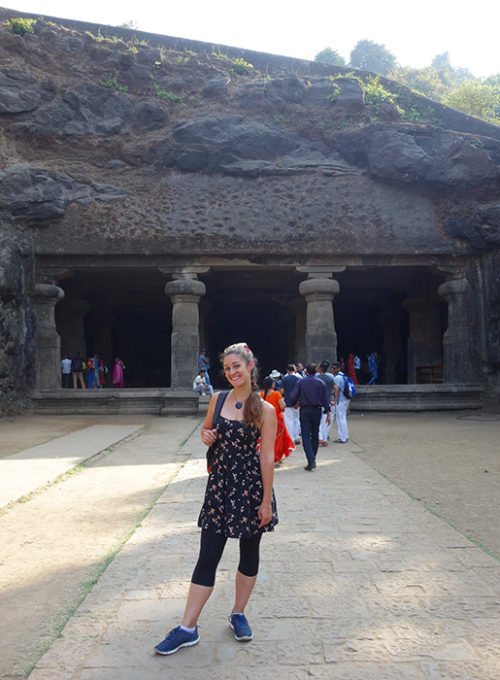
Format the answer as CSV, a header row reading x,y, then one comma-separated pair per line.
x,y
221,398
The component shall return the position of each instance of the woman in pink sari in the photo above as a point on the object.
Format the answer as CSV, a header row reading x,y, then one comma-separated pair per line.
x,y
117,380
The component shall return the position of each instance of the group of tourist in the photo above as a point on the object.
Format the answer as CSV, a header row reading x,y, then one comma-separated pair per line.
x,y
90,373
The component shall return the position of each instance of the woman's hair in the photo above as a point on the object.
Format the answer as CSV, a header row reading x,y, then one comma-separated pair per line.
x,y
253,409
267,384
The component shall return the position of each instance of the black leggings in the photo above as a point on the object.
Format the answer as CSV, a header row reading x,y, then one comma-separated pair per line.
x,y
211,549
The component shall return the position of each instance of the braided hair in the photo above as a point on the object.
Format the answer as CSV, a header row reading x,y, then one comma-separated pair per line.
x,y
253,409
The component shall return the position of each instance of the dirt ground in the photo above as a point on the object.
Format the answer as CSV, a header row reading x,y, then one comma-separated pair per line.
x,y
55,545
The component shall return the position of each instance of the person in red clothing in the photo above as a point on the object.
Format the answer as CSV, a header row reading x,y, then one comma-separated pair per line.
x,y
351,371
283,445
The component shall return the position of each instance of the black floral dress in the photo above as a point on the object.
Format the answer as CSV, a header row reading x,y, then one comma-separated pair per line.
x,y
234,488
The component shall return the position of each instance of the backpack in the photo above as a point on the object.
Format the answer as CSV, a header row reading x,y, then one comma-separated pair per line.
x,y
349,390
77,364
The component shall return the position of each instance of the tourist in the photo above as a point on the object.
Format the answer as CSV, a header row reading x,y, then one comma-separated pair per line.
x,y
66,371
276,376
357,368
373,368
351,368
292,413
204,365
200,384
93,381
77,371
239,499
341,404
311,394
117,376
327,378
283,445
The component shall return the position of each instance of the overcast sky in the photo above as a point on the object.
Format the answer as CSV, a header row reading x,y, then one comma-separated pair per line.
x,y
414,32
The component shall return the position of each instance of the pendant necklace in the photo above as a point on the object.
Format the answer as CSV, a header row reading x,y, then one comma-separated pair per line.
x,y
238,404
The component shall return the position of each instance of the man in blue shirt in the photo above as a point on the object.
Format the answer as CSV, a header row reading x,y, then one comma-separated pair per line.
x,y
312,396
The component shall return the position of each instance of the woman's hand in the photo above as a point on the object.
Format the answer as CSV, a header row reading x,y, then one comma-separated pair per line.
x,y
208,437
265,514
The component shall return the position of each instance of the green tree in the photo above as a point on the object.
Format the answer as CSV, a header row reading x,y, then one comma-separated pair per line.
x,y
330,56
426,81
476,99
371,56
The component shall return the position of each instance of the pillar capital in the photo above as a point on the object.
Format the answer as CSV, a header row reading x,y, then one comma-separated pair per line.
x,y
322,287
454,287
320,271
185,287
48,292
187,272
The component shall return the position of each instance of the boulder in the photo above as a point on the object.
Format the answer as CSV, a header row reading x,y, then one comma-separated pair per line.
x,y
31,194
19,91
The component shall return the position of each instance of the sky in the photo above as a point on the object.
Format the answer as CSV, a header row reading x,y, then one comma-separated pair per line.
x,y
414,33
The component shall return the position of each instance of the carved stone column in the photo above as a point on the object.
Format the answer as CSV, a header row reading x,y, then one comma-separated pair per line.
x,y
458,360
319,290
424,342
185,294
48,342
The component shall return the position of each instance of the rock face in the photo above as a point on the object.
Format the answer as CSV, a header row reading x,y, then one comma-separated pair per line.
x,y
172,147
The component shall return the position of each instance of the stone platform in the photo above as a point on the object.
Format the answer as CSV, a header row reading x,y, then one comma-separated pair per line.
x,y
437,397
164,401
154,401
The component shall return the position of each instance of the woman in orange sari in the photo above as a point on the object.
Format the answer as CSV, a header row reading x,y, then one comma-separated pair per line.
x,y
283,444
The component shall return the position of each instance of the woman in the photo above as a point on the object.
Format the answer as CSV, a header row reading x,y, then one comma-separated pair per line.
x,y
351,369
239,499
283,445
117,377
92,373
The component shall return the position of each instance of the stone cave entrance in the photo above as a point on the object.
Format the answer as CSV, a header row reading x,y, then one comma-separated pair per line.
x,y
395,311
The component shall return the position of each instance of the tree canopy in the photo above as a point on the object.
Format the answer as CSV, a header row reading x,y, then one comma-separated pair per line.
x,y
371,56
330,56
455,87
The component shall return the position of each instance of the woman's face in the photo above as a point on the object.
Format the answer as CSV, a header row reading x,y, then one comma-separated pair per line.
x,y
237,370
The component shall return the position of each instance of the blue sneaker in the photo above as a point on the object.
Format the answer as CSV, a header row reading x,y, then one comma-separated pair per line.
x,y
239,624
176,639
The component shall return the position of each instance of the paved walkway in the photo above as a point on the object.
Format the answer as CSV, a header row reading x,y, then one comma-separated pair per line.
x,y
358,582
28,470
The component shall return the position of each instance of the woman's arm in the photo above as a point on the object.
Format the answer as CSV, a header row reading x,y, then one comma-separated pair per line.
x,y
267,437
282,404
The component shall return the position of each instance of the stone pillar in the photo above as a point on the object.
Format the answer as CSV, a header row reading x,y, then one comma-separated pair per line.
x,y
424,342
48,342
458,361
321,339
185,294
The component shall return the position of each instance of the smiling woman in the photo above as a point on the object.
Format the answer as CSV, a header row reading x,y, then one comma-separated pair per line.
x,y
239,498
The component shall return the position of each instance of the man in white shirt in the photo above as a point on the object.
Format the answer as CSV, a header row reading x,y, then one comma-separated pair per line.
x,y
200,384
66,371
341,403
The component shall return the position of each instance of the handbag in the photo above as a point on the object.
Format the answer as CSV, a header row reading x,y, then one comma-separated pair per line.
x,y
221,398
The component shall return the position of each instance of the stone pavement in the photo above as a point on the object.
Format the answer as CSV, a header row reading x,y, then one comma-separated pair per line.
x,y
358,582
28,470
